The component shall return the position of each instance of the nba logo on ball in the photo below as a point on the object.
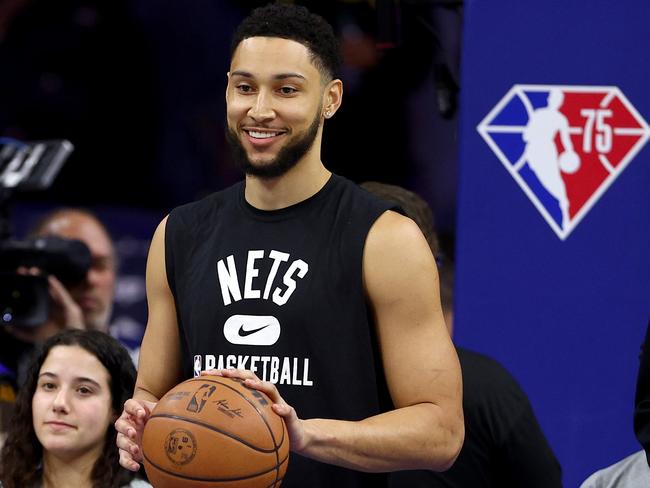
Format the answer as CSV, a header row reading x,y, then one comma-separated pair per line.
x,y
564,145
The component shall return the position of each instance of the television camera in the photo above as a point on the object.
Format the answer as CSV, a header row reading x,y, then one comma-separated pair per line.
x,y
24,298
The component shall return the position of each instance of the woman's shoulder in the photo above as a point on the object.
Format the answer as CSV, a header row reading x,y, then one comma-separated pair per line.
x,y
137,484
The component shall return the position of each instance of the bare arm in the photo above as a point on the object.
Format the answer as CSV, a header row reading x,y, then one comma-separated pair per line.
x,y
422,370
159,365
160,357
426,429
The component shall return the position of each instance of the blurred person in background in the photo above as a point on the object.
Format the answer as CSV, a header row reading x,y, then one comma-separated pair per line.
x,y
84,305
91,300
504,443
642,398
634,470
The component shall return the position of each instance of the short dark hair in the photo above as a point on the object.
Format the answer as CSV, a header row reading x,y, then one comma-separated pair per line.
x,y
295,23
22,451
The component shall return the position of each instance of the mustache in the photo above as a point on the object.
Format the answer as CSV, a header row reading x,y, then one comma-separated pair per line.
x,y
287,157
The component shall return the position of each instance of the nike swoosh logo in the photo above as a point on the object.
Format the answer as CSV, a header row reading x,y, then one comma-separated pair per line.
x,y
252,330
244,333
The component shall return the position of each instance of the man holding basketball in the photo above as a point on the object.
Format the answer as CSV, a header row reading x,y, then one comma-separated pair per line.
x,y
296,280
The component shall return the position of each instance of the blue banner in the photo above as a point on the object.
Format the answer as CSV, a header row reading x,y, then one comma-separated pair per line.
x,y
553,261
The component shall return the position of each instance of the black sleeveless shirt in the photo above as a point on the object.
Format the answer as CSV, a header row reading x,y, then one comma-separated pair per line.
x,y
281,293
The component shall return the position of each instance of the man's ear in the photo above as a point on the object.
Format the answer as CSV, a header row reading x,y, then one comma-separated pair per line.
x,y
333,97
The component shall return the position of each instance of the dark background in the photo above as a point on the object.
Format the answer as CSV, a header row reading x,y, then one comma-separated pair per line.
x,y
138,88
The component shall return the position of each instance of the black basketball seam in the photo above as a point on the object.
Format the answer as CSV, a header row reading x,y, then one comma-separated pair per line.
x,y
273,485
208,426
197,478
278,481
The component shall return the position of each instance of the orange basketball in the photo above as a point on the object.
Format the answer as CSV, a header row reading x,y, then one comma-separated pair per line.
x,y
214,432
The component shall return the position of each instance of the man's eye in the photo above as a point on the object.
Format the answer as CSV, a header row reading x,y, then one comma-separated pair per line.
x,y
244,88
288,90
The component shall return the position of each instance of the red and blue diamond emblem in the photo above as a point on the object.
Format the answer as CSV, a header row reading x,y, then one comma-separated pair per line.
x,y
564,145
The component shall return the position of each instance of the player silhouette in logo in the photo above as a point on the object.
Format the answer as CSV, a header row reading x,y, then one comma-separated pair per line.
x,y
200,398
542,154
197,365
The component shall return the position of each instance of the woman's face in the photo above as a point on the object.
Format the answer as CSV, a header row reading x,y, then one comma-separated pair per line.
x,y
72,407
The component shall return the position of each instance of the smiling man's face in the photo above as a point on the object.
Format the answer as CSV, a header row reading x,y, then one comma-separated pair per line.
x,y
274,99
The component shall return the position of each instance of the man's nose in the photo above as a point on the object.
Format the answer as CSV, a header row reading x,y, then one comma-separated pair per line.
x,y
262,108
92,276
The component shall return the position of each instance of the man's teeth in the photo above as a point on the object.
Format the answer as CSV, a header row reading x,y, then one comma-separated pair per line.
x,y
261,135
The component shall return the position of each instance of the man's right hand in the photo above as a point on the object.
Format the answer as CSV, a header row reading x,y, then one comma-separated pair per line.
x,y
130,427
64,310
65,313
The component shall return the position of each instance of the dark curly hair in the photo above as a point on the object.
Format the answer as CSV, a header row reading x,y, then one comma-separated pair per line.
x,y
22,452
295,23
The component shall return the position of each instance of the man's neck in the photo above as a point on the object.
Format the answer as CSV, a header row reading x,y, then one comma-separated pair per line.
x,y
301,182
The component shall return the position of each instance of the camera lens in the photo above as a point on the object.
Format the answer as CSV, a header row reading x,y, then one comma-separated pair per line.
x,y
24,300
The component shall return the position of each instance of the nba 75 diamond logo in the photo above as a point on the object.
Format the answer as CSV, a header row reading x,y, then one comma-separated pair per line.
x,y
564,145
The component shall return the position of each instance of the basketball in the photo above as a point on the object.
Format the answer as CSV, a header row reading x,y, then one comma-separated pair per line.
x,y
569,162
214,432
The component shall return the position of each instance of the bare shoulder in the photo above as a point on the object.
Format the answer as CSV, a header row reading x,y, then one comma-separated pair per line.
x,y
392,228
395,244
156,274
155,260
159,233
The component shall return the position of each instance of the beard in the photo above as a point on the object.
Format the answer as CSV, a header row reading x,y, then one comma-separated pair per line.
x,y
286,158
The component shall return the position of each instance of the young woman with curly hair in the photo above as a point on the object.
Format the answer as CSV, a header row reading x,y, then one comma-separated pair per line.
x,y
62,433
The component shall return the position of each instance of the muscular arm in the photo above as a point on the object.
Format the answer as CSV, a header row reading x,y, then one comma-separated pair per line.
x,y
423,374
160,358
